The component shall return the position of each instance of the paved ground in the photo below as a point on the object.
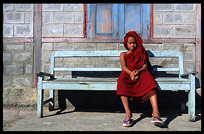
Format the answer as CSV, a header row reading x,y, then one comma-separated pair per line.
x,y
25,119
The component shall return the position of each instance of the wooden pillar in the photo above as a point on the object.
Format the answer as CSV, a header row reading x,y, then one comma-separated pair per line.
x,y
37,47
198,44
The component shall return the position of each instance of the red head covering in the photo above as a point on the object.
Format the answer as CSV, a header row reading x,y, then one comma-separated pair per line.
x,y
139,52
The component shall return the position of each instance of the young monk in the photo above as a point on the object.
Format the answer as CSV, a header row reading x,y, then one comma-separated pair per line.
x,y
135,80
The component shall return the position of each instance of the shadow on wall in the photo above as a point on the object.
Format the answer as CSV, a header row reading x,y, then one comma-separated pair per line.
x,y
197,83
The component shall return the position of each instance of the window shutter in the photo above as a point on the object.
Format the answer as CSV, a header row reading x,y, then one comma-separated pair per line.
x,y
112,21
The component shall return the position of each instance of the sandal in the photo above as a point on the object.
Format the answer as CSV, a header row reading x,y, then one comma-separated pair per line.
x,y
126,124
157,122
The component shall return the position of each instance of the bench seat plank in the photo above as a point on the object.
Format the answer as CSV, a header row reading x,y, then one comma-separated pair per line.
x,y
159,79
110,84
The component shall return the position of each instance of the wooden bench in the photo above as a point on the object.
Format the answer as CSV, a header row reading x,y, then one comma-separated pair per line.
x,y
182,82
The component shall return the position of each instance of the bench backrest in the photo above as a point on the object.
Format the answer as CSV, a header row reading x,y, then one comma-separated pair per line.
x,y
113,53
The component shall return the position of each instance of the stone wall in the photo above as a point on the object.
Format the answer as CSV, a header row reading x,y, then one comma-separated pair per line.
x,y
62,20
18,20
174,20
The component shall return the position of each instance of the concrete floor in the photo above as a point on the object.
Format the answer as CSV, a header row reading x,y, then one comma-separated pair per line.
x,y
25,119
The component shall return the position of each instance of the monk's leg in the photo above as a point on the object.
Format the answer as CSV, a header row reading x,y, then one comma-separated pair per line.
x,y
126,107
153,100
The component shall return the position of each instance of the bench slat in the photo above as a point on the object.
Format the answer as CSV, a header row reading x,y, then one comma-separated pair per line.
x,y
166,69
106,86
89,79
87,69
110,69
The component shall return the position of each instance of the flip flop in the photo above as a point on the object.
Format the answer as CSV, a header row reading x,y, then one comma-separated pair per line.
x,y
157,122
126,124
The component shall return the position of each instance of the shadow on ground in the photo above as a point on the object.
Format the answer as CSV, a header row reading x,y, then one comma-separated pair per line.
x,y
106,101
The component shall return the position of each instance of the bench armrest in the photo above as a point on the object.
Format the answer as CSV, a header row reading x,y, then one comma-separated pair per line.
x,y
193,72
42,74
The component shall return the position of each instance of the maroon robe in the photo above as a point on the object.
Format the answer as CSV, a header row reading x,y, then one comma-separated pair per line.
x,y
140,89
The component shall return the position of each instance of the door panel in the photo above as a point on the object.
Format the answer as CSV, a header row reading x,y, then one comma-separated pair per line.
x,y
104,19
133,18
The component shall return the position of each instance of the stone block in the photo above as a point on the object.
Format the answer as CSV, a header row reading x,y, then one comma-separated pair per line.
x,y
189,47
163,7
184,31
174,47
46,56
47,46
89,60
52,7
121,47
79,65
13,17
28,17
28,69
85,46
7,7
69,60
73,7
73,30
6,80
23,30
172,18
47,17
78,17
189,56
13,69
107,46
113,59
101,60
29,47
24,7
189,67
65,63
189,18
7,57
63,46
184,7
63,17
52,30
25,57
89,65
163,31
171,65
13,47
152,46
21,80
158,17
46,67
7,30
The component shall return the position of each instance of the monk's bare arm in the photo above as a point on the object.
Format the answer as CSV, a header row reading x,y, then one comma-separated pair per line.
x,y
123,63
143,68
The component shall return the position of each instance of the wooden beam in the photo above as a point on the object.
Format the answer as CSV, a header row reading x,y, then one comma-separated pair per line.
x,y
198,44
84,40
37,39
84,20
152,21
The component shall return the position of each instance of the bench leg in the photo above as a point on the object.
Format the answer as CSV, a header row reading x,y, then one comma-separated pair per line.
x,y
40,98
191,99
51,103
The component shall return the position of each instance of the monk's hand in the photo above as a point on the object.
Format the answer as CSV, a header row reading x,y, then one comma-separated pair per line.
x,y
136,74
132,76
